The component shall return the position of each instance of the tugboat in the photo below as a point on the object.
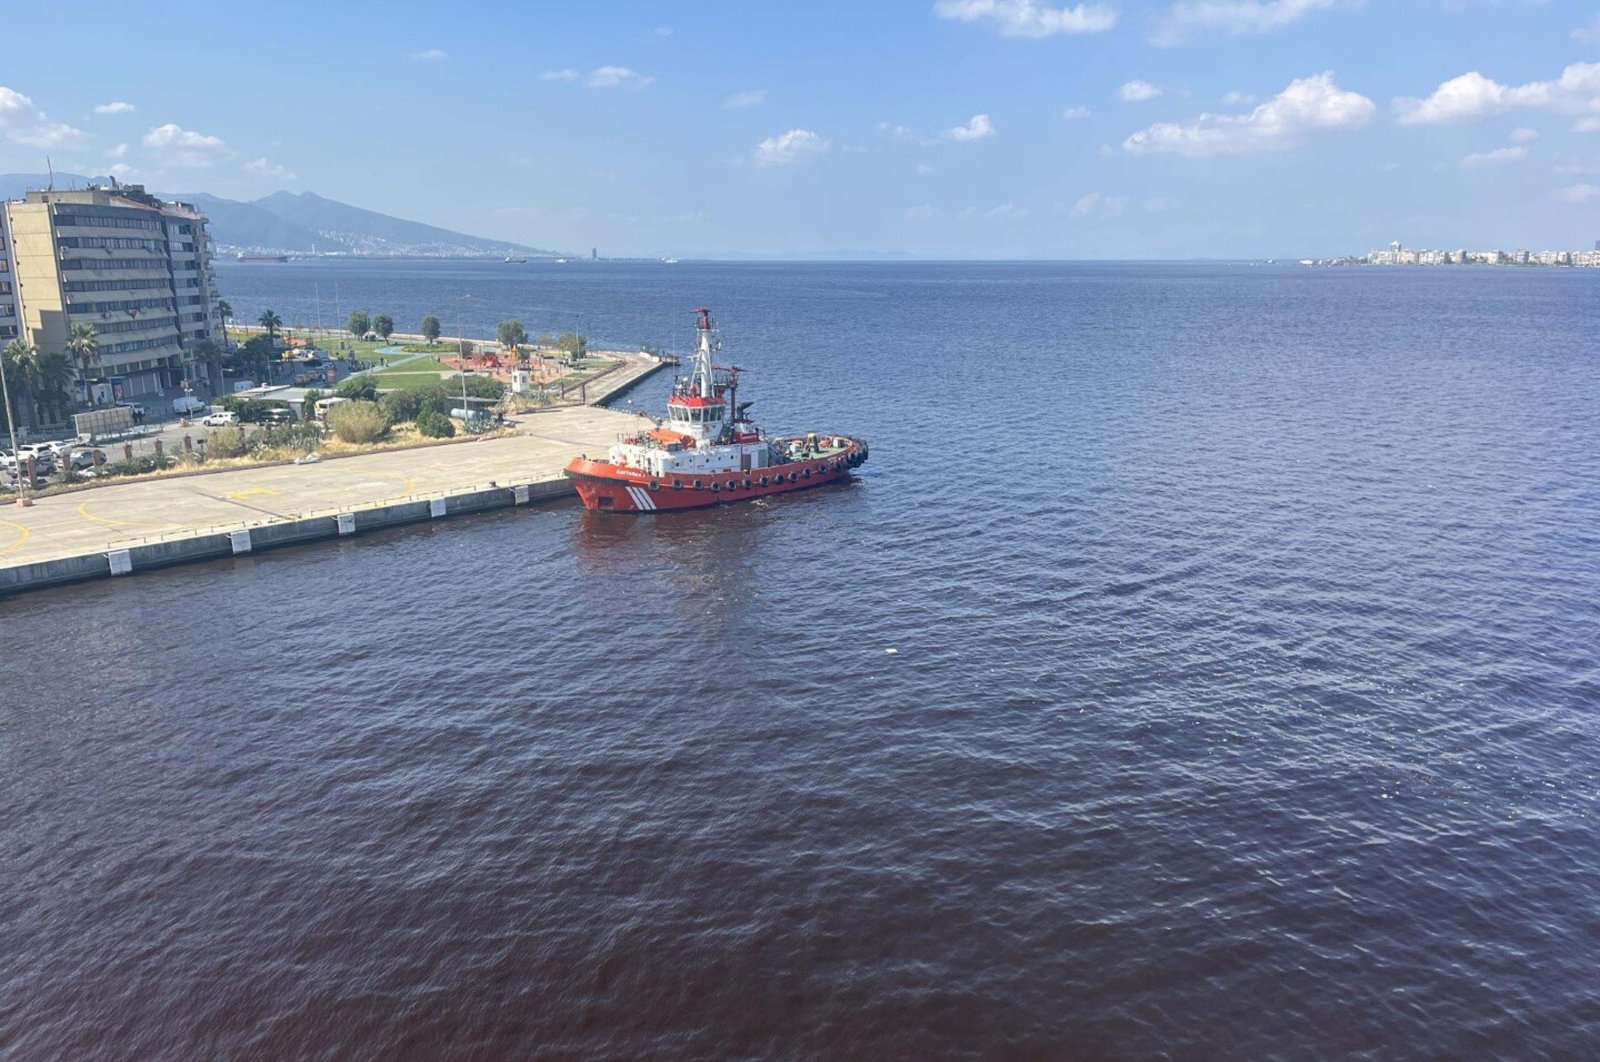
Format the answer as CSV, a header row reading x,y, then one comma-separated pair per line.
x,y
707,451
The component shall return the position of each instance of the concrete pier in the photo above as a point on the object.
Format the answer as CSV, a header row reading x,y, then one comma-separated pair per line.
x,y
127,528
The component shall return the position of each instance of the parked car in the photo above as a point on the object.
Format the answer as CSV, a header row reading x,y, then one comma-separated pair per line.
x,y
138,410
44,456
272,418
87,457
188,406
220,418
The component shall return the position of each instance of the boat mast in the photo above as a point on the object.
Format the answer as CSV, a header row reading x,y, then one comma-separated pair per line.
x,y
703,378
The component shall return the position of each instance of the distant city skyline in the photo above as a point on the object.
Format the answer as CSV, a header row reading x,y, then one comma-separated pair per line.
x,y
955,128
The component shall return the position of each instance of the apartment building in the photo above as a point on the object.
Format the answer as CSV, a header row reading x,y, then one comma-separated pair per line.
x,y
135,268
8,288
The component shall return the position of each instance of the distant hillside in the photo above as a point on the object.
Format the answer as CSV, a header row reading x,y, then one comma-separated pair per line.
x,y
247,225
368,232
302,223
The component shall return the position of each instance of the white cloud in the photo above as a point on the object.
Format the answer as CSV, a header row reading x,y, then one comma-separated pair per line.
x,y
1237,98
431,54
173,135
1580,193
118,152
1137,91
1590,124
1234,17
979,127
564,74
24,123
612,76
1523,135
1029,18
184,147
1309,104
1072,114
114,107
923,169
753,98
1590,33
1007,212
1158,204
263,168
790,147
121,171
1479,159
1576,91
1096,205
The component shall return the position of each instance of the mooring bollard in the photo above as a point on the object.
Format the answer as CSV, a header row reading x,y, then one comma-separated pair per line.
x,y
158,449
188,444
127,451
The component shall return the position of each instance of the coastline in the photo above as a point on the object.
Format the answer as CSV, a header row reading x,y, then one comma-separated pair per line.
x,y
164,522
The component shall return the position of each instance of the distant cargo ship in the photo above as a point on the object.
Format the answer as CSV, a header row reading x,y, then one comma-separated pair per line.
x,y
708,452
271,258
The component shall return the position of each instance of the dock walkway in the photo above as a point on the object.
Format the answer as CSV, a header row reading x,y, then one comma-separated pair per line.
x,y
128,527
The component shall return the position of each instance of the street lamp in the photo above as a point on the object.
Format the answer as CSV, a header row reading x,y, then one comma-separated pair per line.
x,y
461,359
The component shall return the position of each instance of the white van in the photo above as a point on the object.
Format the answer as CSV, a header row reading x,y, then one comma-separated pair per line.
x,y
188,406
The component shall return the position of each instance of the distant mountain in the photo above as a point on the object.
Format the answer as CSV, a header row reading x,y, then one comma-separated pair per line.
x,y
302,223
368,232
247,225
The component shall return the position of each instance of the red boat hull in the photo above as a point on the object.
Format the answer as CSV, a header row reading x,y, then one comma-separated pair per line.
x,y
606,487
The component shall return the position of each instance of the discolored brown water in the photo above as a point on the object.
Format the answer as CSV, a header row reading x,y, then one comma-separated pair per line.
x,y
1243,704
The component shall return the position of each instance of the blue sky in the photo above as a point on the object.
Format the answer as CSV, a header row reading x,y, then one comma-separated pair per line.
x,y
942,128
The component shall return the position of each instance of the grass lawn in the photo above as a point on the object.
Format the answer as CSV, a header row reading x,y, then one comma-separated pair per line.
x,y
419,373
419,365
337,343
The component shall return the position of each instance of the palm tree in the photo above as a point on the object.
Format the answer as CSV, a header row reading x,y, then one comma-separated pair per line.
x,y
83,345
21,366
12,359
271,322
209,355
54,375
224,311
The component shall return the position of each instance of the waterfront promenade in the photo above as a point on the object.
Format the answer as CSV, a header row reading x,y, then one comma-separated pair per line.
x,y
173,519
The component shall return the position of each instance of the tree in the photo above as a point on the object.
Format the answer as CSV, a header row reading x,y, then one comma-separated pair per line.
x,y
308,404
383,324
257,354
511,335
359,324
208,355
430,329
361,387
55,374
572,345
434,425
17,362
224,311
464,347
84,347
271,322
